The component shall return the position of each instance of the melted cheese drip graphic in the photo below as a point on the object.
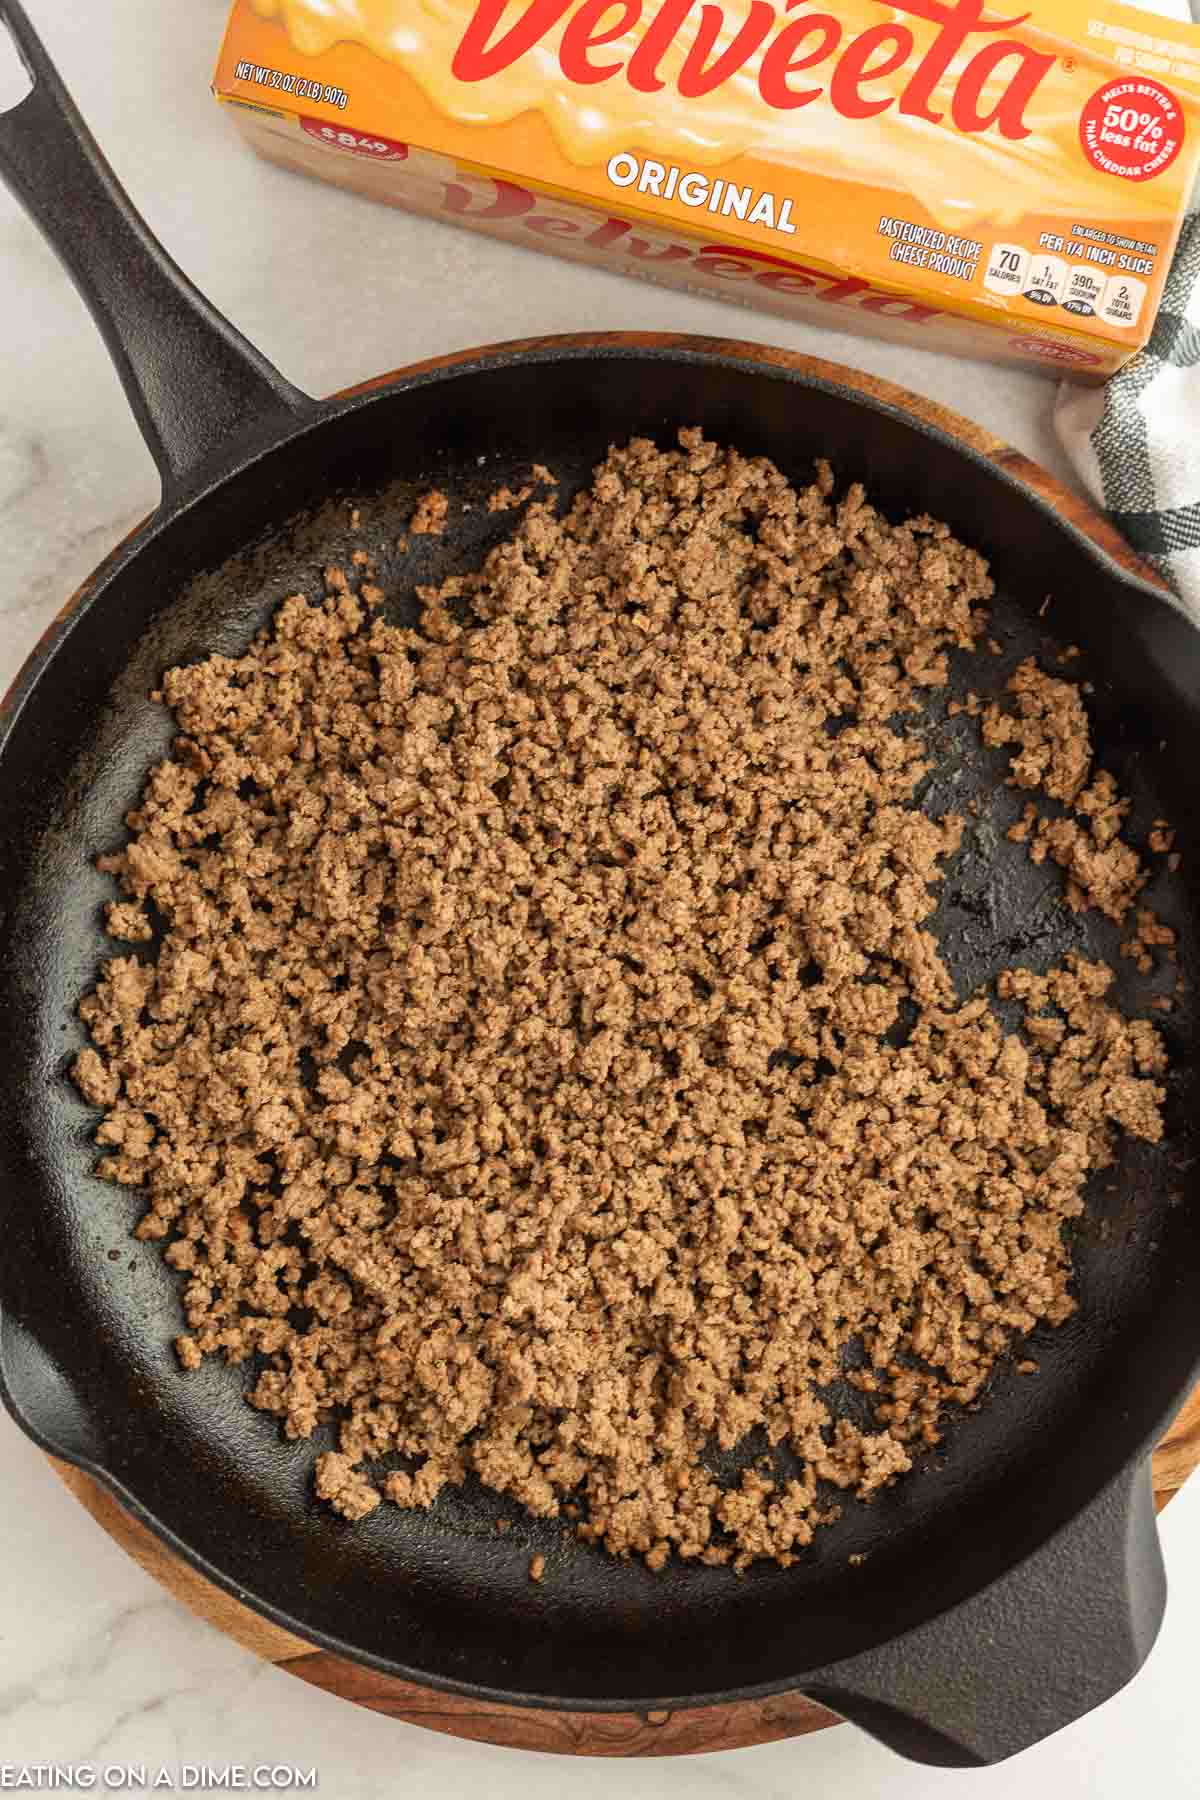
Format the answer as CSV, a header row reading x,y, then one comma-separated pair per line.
x,y
961,178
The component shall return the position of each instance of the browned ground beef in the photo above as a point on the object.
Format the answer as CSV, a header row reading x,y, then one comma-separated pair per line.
x,y
514,1075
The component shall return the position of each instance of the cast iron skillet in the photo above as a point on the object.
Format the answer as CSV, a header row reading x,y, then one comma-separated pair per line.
x,y
1001,1596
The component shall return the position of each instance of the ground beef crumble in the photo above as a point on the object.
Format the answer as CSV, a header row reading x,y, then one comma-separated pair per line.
x,y
429,516
518,1077
506,498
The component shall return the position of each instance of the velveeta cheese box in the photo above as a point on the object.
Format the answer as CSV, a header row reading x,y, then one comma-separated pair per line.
x,y
978,178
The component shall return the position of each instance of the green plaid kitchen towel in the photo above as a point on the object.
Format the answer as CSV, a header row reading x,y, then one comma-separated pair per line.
x,y
1136,441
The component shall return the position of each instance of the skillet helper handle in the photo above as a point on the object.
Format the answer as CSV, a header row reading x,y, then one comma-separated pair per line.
x,y
1054,1638
44,1400
196,386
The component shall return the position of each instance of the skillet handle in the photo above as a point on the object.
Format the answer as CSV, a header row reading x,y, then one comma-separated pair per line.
x,y
43,1400
200,392
1055,1637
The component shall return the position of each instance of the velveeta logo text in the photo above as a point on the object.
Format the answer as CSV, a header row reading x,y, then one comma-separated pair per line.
x,y
802,54
970,107
509,207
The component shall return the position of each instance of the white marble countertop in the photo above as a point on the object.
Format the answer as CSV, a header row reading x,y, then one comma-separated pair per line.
x,y
97,1665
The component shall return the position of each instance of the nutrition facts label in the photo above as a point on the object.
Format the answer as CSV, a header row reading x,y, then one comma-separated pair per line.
x,y
1053,281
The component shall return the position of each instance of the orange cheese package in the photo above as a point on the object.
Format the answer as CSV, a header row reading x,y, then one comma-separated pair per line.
x,y
965,174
